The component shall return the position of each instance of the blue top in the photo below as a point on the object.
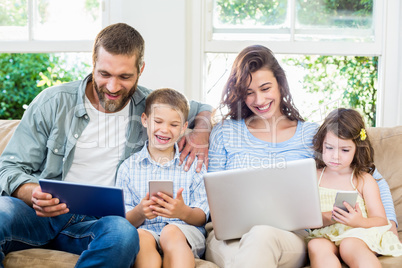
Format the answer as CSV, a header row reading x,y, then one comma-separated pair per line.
x,y
44,142
233,146
135,173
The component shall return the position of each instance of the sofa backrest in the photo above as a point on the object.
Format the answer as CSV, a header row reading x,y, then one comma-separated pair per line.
x,y
7,128
387,143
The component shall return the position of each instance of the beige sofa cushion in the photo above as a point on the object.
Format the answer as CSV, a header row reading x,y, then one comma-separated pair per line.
x,y
46,258
40,258
7,128
387,143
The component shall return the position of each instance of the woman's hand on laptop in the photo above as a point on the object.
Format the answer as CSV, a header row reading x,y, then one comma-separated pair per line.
x,y
45,205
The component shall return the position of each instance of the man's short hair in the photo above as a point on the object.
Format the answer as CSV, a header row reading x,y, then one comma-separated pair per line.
x,y
167,96
120,39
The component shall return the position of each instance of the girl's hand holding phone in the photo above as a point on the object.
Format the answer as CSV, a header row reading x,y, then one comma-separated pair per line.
x,y
353,217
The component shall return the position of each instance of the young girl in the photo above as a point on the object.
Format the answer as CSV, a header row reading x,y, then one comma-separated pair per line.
x,y
344,158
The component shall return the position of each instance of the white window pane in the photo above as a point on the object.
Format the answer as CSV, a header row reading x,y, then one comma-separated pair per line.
x,y
335,20
287,20
13,20
66,20
335,14
251,20
252,14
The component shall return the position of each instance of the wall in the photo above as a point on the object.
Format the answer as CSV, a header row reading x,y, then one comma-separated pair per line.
x,y
162,25
389,103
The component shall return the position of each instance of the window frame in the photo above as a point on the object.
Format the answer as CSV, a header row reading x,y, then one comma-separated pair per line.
x,y
298,47
51,46
388,23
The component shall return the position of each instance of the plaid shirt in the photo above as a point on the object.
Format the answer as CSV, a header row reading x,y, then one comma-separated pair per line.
x,y
135,173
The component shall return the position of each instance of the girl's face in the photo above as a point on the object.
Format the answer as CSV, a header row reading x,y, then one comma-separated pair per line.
x,y
337,153
263,95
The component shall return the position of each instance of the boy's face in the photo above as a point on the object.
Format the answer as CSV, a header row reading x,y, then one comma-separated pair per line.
x,y
165,125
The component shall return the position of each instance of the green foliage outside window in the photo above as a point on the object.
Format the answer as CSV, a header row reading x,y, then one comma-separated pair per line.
x,y
23,76
337,13
352,76
260,11
340,13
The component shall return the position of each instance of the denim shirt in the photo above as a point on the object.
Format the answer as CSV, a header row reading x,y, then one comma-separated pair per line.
x,y
44,142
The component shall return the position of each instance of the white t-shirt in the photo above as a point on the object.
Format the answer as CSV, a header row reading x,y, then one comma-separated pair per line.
x,y
99,147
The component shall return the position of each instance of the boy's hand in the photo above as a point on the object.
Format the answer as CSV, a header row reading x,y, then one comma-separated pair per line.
x,y
145,207
169,207
353,218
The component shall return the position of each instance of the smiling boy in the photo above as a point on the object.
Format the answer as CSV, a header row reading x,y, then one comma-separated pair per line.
x,y
172,226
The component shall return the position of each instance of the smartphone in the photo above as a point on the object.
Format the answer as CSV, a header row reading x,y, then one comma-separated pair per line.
x,y
163,186
345,196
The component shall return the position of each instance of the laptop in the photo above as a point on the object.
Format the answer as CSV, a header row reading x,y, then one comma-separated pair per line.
x,y
85,199
284,197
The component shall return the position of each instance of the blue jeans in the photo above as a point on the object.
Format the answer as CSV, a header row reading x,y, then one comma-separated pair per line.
x,y
106,242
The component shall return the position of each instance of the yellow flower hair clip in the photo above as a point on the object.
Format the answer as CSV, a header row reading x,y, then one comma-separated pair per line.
x,y
363,135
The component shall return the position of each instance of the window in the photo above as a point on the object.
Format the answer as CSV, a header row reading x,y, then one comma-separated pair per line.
x,y
48,41
317,30
50,25
293,20
25,75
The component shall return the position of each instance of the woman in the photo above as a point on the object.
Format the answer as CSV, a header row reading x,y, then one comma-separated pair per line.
x,y
262,126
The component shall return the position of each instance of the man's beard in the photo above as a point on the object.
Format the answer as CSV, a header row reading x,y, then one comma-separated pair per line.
x,y
113,105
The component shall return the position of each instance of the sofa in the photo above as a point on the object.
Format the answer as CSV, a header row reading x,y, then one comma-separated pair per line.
x,y
387,143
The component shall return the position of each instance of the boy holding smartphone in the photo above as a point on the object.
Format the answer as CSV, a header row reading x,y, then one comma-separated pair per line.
x,y
174,225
